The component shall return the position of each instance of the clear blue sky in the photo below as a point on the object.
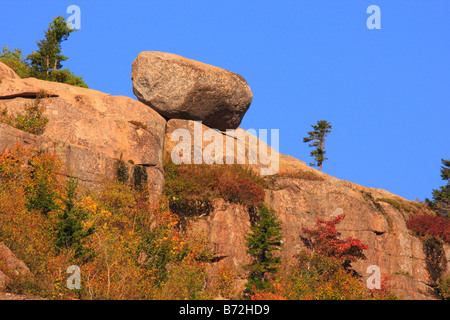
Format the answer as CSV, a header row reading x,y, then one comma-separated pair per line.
x,y
386,92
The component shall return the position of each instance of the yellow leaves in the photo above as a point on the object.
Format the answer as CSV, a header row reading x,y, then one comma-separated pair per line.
x,y
88,205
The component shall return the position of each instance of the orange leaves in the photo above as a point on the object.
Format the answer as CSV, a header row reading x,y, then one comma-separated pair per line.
x,y
190,188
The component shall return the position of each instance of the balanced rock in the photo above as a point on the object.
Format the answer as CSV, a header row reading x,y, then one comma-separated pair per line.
x,y
180,88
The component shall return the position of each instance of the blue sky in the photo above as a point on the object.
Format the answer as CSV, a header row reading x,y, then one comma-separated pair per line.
x,y
386,92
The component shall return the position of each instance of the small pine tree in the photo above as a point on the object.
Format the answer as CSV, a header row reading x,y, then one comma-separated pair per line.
x,y
48,57
262,242
45,63
70,230
317,137
441,196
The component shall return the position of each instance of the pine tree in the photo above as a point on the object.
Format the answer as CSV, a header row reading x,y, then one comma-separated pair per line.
x,y
70,230
262,242
48,58
16,61
441,196
317,137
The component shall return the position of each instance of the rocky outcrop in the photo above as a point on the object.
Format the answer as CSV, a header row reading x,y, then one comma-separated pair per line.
x,y
10,265
180,88
7,72
300,195
89,130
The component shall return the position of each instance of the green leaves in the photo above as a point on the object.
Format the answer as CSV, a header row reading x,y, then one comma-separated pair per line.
x,y
262,242
48,56
441,196
45,63
317,139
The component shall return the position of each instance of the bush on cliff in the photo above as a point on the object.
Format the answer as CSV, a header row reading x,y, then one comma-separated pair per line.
x,y
124,248
191,188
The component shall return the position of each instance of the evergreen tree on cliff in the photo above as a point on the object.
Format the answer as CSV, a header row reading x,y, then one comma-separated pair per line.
x,y
441,196
46,62
48,57
262,242
317,139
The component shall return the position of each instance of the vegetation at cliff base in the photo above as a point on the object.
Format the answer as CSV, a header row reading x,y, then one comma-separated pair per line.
x,y
323,270
127,248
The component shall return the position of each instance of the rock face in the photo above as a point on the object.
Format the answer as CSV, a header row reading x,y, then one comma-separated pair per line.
x,y
89,130
371,216
7,72
181,88
9,264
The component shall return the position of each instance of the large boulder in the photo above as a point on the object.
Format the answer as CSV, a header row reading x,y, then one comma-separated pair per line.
x,y
180,88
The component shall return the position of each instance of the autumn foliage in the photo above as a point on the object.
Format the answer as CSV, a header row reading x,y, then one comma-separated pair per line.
x,y
323,239
125,248
191,188
128,249
323,271
430,225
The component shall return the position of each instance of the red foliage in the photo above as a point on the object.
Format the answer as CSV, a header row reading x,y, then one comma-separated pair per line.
x,y
237,188
267,296
324,239
383,292
275,294
430,225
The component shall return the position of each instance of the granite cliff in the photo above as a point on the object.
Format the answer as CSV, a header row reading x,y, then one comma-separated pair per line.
x,y
90,131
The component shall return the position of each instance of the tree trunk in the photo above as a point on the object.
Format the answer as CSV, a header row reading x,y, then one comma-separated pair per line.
x,y
56,59
48,64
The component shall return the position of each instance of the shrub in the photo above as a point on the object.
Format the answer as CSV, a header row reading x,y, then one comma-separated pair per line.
x,y
430,225
190,188
42,186
140,178
434,231
122,171
32,121
435,259
323,239
66,76
443,288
